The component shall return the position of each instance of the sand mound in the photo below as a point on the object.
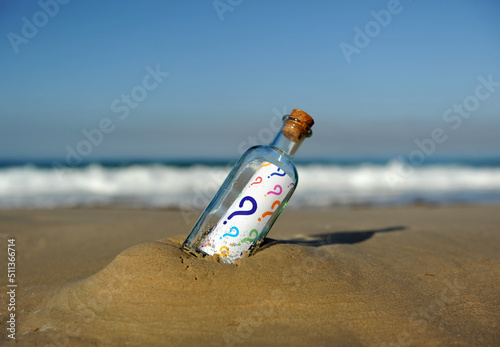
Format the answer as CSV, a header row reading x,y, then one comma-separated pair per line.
x,y
155,294
152,290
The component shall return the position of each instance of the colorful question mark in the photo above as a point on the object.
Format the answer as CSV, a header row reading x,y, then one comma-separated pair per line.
x,y
244,213
277,174
256,181
269,213
275,188
265,164
248,238
225,254
291,184
229,233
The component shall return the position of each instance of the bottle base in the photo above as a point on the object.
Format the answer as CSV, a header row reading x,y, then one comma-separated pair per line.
x,y
195,253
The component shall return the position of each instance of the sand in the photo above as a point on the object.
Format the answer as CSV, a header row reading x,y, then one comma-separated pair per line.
x,y
414,276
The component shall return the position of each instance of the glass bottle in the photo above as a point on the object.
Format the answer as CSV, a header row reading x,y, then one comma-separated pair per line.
x,y
252,197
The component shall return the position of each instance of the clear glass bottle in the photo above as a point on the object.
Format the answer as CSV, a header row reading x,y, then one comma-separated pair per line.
x,y
252,197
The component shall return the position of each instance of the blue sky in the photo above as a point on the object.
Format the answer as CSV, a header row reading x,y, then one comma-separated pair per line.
x,y
232,65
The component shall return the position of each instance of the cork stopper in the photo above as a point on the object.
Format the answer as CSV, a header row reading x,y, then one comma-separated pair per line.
x,y
297,125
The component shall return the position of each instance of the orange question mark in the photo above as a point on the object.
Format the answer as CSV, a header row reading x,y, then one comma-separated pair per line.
x,y
269,213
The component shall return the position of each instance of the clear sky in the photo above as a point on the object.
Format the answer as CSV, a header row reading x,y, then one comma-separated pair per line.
x,y
196,78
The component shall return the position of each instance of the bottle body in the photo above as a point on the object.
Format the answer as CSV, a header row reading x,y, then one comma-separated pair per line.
x,y
246,206
251,198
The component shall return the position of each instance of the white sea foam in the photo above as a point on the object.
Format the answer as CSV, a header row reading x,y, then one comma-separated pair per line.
x,y
157,186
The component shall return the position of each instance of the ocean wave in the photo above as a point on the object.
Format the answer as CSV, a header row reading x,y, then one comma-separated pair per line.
x,y
192,187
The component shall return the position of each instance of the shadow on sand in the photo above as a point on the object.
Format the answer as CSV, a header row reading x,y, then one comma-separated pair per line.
x,y
338,237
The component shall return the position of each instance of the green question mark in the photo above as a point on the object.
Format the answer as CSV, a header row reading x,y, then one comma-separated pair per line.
x,y
249,239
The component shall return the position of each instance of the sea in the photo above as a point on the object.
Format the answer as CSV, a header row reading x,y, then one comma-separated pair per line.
x,y
190,184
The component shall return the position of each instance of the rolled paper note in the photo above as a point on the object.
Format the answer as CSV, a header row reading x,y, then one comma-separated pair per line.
x,y
241,225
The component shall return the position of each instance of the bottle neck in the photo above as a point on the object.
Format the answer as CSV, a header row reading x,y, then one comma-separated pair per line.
x,y
282,143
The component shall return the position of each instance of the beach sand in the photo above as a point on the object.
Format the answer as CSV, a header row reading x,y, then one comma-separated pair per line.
x,y
408,276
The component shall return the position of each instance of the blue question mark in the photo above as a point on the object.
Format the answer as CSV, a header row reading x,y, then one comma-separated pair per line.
x,y
232,235
244,213
277,174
